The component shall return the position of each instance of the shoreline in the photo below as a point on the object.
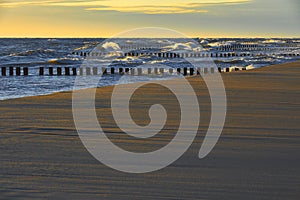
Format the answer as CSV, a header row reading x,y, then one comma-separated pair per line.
x,y
63,91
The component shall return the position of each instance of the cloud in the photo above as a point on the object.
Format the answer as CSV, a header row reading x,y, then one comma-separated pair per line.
x,y
68,3
12,4
212,3
148,9
132,6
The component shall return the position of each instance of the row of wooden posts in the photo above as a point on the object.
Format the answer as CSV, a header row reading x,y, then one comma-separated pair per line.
x,y
12,72
224,49
232,47
68,71
255,47
183,55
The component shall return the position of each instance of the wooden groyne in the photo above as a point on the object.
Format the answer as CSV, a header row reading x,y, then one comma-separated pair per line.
x,y
14,71
170,55
96,71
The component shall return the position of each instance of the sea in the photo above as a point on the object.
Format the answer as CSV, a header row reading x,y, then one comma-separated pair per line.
x,y
34,53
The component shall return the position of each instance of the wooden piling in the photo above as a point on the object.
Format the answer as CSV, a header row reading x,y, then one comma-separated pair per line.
x,y
50,71
178,71
81,71
120,70
212,70
185,71
155,70
25,71
198,71
192,71
140,71
88,71
95,71
3,71
171,71
132,71
18,71
58,69
67,71
41,71
220,69
112,70
149,70
11,71
162,71
127,70
74,70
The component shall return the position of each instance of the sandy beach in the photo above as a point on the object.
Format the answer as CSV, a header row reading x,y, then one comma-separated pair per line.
x,y
257,156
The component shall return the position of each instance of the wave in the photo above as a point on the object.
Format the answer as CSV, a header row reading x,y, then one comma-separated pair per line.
x,y
63,61
271,41
54,61
221,43
239,68
111,47
234,61
37,52
263,60
87,46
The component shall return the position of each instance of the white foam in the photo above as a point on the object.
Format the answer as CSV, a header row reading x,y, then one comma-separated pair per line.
x,y
270,41
111,46
189,46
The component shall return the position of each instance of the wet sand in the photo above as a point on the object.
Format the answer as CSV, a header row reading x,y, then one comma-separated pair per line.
x,y
257,156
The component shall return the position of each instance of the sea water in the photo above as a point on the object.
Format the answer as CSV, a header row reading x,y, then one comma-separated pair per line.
x,y
35,53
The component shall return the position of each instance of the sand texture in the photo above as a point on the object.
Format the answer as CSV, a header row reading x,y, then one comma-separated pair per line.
x,y
257,156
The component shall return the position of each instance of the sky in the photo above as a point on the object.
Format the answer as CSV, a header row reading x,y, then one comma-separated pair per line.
x,y
106,18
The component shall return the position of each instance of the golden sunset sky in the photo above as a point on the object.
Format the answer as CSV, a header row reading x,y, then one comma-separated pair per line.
x,y
105,18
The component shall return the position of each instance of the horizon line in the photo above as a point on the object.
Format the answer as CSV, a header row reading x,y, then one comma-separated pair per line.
x,y
87,37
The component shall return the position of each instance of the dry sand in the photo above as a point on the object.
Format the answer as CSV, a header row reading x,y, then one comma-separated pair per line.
x,y
257,156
